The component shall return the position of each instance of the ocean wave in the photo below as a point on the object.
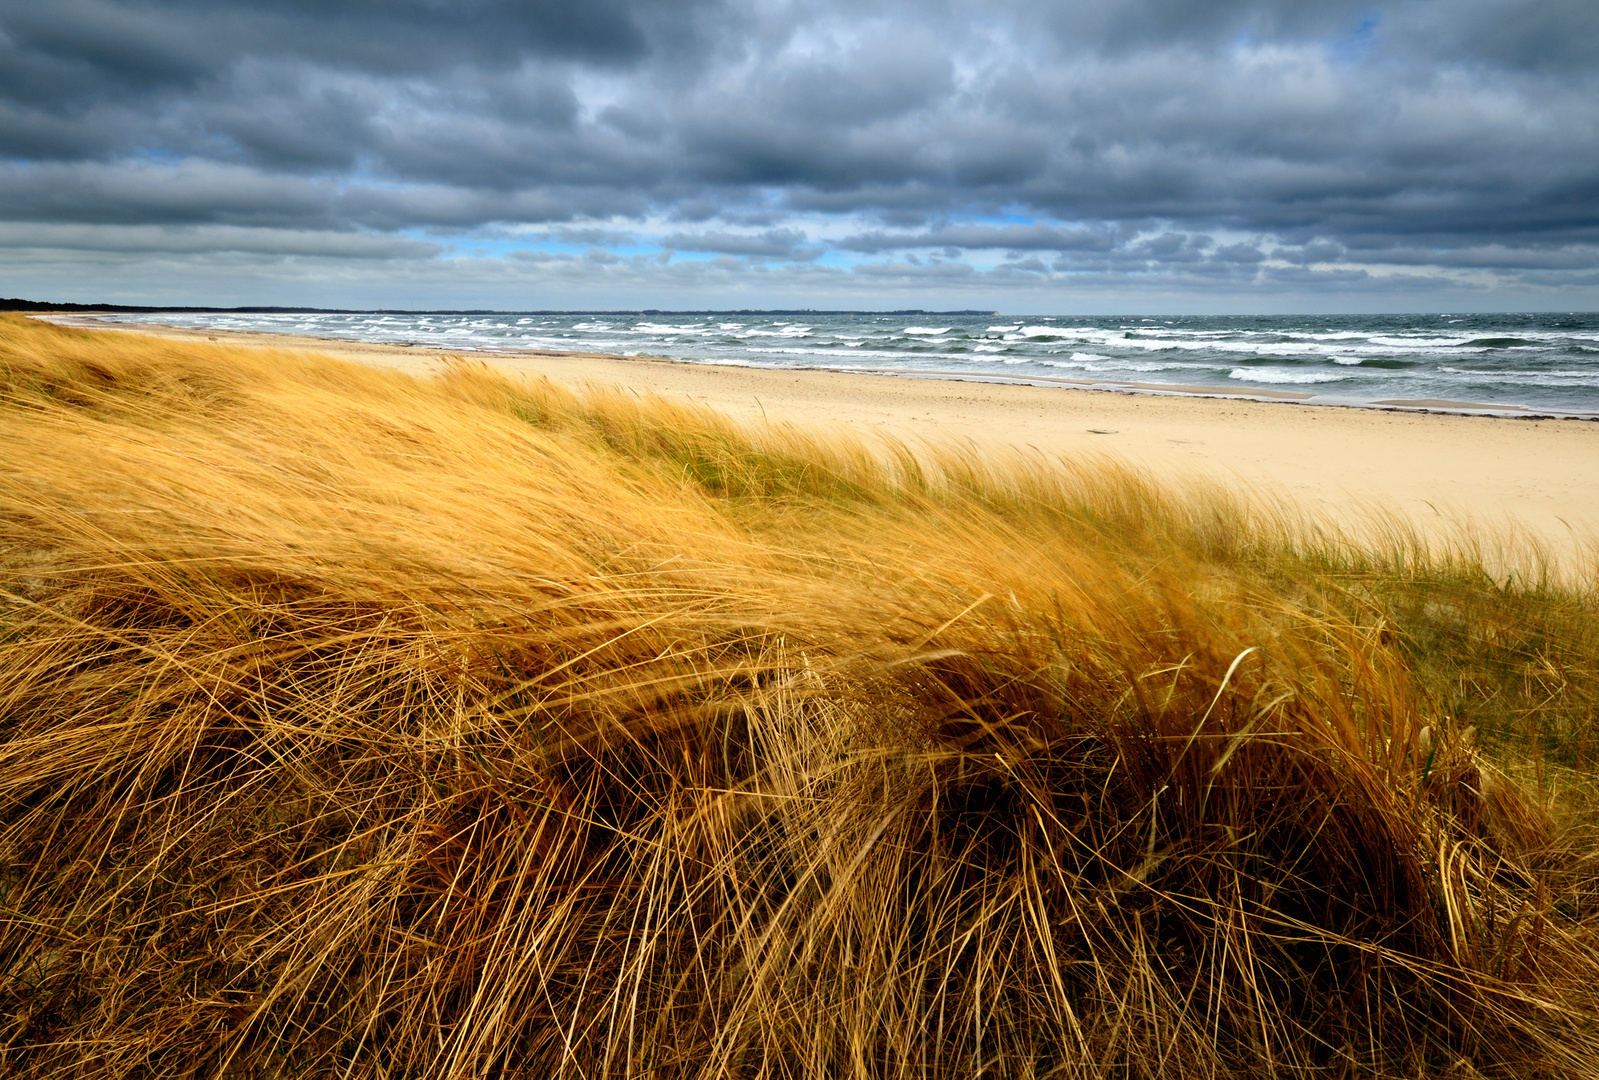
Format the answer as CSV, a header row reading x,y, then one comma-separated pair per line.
x,y
1288,378
787,331
1406,342
1520,377
667,330
1146,368
927,331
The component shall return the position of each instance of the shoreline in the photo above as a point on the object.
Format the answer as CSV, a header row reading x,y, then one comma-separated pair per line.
x,y
112,321
1508,473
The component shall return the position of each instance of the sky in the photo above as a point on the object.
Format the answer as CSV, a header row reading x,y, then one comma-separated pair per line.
x,y
1071,156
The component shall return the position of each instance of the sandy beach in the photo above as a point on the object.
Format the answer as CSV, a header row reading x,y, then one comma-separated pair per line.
x,y
1440,469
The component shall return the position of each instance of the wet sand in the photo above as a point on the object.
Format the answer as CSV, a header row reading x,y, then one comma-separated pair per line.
x,y
1440,469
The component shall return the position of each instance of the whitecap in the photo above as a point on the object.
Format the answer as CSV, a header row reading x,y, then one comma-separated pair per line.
x,y
1004,329
928,331
786,331
1277,375
988,348
1421,342
663,328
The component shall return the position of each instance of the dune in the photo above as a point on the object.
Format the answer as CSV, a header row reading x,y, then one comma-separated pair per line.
x,y
360,723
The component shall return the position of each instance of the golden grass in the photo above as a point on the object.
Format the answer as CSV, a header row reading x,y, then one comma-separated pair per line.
x,y
363,725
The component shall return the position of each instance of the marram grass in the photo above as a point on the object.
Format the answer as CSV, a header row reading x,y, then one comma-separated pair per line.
x,y
353,724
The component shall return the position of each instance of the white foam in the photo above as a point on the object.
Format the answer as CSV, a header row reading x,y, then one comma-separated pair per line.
x,y
1148,368
787,331
1004,329
1519,377
1276,375
664,329
988,348
1422,342
928,331
824,352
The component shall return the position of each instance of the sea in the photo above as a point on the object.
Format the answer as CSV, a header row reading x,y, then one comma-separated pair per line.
x,y
1541,364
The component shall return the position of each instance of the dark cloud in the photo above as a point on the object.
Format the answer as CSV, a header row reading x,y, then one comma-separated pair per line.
x,y
978,237
1245,140
189,239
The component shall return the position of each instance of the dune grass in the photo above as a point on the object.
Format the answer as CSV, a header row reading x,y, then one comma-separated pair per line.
x,y
354,724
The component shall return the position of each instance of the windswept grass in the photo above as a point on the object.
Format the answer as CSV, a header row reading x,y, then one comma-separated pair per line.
x,y
361,725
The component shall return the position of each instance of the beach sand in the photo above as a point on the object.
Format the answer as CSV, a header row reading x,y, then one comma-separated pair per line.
x,y
1440,469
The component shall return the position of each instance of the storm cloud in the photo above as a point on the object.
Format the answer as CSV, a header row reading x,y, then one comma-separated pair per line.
x,y
1245,153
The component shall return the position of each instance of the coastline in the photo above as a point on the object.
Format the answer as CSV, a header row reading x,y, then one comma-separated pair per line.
x,y
1441,469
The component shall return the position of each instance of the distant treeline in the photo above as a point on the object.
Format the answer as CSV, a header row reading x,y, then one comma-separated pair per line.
x,y
14,304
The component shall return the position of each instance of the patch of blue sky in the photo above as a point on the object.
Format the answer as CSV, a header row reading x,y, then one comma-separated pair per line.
x,y
505,244
1358,45
841,260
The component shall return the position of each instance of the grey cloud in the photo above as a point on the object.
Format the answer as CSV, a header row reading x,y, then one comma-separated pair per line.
x,y
1299,275
1487,257
149,239
1533,35
978,237
161,192
164,43
772,244
1316,251
1119,25
943,271
1428,134
1240,253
